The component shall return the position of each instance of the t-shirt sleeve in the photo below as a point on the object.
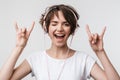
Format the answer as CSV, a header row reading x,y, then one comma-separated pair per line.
x,y
30,60
90,61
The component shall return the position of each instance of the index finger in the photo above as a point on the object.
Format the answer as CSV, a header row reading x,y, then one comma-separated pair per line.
x,y
88,31
103,32
16,26
31,28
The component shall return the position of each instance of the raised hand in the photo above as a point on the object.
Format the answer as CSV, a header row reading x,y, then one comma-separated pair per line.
x,y
96,40
23,35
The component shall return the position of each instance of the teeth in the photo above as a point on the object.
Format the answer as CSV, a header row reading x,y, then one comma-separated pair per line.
x,y
59,35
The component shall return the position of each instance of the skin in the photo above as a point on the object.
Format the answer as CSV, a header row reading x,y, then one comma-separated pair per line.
x,y
57,26
7,71
109,72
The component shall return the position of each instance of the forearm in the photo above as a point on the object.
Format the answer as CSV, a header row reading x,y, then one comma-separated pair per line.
x,y
8,68
110,71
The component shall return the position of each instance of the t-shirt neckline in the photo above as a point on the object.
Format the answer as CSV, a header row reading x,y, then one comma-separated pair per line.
x,y
55,59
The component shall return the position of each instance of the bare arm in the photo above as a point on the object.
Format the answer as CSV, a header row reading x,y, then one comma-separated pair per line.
x,y
109,72
8,67
22,37
21,71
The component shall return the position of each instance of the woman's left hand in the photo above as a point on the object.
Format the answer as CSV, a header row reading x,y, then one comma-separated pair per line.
x,y
96,40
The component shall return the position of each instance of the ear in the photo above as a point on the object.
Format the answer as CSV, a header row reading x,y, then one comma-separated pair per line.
x,y
71,40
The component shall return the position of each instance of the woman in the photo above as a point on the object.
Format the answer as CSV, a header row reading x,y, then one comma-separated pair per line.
x,y
59,62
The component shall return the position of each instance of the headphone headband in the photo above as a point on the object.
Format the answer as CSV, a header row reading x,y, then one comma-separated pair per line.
x,y
58,8
55,7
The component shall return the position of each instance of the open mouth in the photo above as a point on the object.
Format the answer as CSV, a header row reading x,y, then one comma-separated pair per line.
x,y
59,36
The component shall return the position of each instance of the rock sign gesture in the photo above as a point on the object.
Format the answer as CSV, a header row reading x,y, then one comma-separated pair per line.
x,y
23,35
96,40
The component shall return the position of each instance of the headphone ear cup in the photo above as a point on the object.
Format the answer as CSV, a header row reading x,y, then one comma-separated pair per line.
x,y
44,27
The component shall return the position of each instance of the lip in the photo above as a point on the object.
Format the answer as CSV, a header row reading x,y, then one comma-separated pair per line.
x,y
59,37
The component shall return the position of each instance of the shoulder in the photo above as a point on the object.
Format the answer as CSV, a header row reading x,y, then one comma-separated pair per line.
x,y
85,62
84,57
35,56
81,54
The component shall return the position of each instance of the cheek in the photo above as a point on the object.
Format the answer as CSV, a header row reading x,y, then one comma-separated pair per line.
x,y
51,31
68,31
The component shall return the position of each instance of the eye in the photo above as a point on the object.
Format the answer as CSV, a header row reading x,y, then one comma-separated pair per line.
x,y
67,24
53,24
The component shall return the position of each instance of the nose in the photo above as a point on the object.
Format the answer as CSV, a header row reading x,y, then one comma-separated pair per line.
x,y
60,28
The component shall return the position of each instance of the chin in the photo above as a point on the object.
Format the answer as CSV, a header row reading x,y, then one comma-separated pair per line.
x,y
60,45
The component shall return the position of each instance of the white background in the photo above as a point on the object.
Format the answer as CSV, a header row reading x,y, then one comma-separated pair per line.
x,y
95,13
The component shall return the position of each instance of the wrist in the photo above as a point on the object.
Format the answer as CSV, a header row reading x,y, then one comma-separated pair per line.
x,y
17,50
20,47
100,53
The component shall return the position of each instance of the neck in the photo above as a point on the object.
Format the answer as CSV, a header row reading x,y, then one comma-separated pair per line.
x,y
58,52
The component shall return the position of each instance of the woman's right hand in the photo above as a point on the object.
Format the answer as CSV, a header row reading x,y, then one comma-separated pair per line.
x,y
22,35
96,40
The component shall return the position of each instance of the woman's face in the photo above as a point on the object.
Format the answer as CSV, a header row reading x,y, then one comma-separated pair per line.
x,y
59,30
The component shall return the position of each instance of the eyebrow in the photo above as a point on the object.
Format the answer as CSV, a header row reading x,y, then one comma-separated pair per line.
x,y
57,21
54,21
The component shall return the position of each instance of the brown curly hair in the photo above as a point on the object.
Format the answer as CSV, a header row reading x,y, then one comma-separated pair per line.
x,y
69,13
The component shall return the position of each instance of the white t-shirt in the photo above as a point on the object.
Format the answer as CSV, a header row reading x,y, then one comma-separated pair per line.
x,y
77,67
